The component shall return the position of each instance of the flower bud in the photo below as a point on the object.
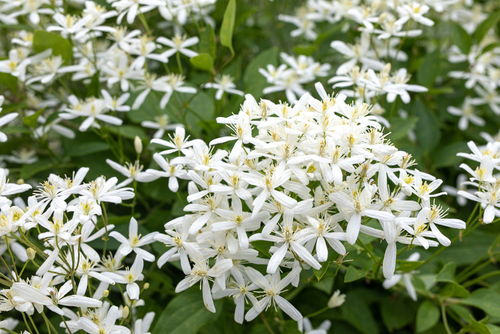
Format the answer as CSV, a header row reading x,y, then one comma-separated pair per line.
x,y
31,253
105,293
336,300
125,312
146,286
138,145
20,181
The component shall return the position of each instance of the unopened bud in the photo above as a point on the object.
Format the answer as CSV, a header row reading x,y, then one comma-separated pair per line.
x,y
146,286
20,181
138,144
31,253
105,293
336,300
125,312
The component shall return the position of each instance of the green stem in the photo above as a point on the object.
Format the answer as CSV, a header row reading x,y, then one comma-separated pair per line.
x,y
480,278
445,319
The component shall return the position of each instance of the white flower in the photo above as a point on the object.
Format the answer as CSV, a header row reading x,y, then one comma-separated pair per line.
x,y
134,242
223,84
179,44
336,300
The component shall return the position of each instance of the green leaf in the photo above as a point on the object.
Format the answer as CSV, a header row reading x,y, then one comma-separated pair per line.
x,y
226,30
353,274
203,61
94,88
483,28
477,327
400,127
321,272
9,81
447,155
185,314
207,41
486,300
429,69
31,120
254,81
28,171
305,49
358,314
406,266
263,247
427,316
84,148
16,129
493,329
461,38
454,290
129,131
427,130
44,40
447,273
397,313
490,47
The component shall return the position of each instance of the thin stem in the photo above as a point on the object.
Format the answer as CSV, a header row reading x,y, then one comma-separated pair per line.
x,y
317,312
264,320
445,319
480,278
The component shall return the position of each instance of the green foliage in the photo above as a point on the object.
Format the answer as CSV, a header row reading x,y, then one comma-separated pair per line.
x,y
428,315
60,46
226,30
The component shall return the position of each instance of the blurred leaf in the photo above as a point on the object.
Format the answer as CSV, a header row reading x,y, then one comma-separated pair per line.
x,y
461,38
83,148
357,313
477,327
427,316
226,30
207,41
447,155
490,47
485,299
353,274
254,81
31,120
16,129
203,61
427,129
397,313
400,127
60,46
447,273
493,329
406,266
94,87
305,49
129,131
28,171
454,290
483,28
185,314
9,81
429,69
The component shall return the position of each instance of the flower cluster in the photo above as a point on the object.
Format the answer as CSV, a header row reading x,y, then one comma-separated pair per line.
x,y
483,180
53,236
299,181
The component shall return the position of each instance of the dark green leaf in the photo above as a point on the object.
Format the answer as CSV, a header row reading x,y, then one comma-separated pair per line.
x,y
400,127
477,327
406,266
85,148
397,313
483,28
44,40
353,274
429,69
485,299
447,155
428,132
461,38
427,316
226,30
203,61
357,313
129,131
262,246
185,314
